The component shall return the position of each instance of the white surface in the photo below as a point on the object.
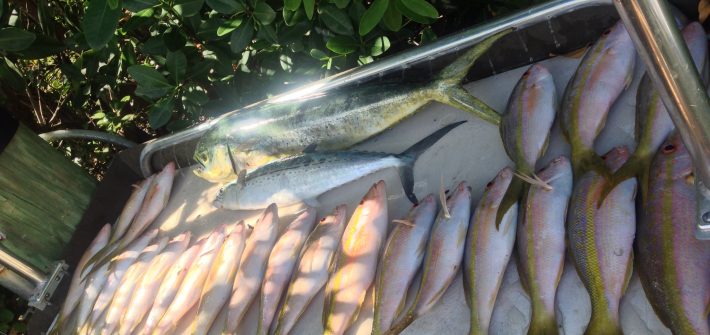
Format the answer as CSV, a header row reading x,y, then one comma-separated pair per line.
x,y
472,152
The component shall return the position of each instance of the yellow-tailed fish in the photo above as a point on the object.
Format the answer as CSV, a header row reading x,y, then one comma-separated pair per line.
x,y
252,266
169,287
313,270
541,243
220,281
673,265
601,241
146,289
250,138
356,261
605,71
488,250
190,289
279,268
401,259
133,275
443,256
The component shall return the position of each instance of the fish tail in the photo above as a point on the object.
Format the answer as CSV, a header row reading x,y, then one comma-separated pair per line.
x,y
635,165
542,323
99,256
603,324
511,197
409,156
107,258
447,86
588,160
403,323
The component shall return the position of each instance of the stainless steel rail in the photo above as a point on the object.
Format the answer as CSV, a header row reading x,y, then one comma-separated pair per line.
x,y
660,44
463,39
43,286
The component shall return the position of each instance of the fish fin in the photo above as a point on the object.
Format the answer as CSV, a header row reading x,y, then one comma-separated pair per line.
x,y
629,272
313,202
442,199
542,323
635,165
108,258
406,176
95,258
406,223
512,195
241,178
523,279
413,152
311,148
232,161
588,160
602,323
458,97
533,179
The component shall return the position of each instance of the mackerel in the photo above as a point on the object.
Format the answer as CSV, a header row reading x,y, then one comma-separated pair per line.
x,y
541,243
443,256
605,71
252,266
674,266
279,268
488,250
601,241
247,139
356,261
305,177
313,270
401,259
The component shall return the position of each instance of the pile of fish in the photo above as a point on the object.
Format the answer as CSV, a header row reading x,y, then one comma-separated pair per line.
x,y
133,280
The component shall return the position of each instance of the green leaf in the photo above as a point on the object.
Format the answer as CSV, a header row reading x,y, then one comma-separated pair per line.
x,y
174,39
342,45
318,54
177,125
159,114
309,6
187,8
148,77
341,3
208,29
43,46
176,63
292,18
428,35
139,5
155,45
99,115
268,33
15,39
241,37
229,26
373,16
113,4
99,23
264,13
356,11
392,18
11,76
413,9
380,45
225,6
195,95
292,5
336,20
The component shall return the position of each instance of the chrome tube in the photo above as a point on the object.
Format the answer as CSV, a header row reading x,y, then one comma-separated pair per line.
x,y
460,40
18,266
661,46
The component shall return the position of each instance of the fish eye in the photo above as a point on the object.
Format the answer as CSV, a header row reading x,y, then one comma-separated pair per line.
x,y
669,148
489,185
606,32
526,74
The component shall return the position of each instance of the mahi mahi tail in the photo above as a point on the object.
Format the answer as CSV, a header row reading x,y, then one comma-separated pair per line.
x,y
447,88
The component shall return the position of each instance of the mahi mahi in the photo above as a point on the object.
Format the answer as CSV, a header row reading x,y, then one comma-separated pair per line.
x,y
401,259
601,241
674,266
605,71
247,139
356,261
283,259
443,256
252,266
541,243
313,270
305,177
488,250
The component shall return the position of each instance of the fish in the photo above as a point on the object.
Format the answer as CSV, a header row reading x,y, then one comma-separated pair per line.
x,y
116,273
356,261
94,283
401,259
653,123
605,71
488,250
525,129
443,256
249,138
169,286
252,266
123,294
220,281
541,243
304,177
190,289
146,289
601,241
279,268
312,272
155,201
673,265
76,290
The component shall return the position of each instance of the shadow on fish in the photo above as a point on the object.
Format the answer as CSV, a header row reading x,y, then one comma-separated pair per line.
x,y
304,177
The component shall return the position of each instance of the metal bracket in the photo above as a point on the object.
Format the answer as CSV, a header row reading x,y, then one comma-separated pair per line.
x,y
45,290
703,228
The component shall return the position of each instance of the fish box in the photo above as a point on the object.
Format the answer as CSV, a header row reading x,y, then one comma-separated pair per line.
x,y
552,34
